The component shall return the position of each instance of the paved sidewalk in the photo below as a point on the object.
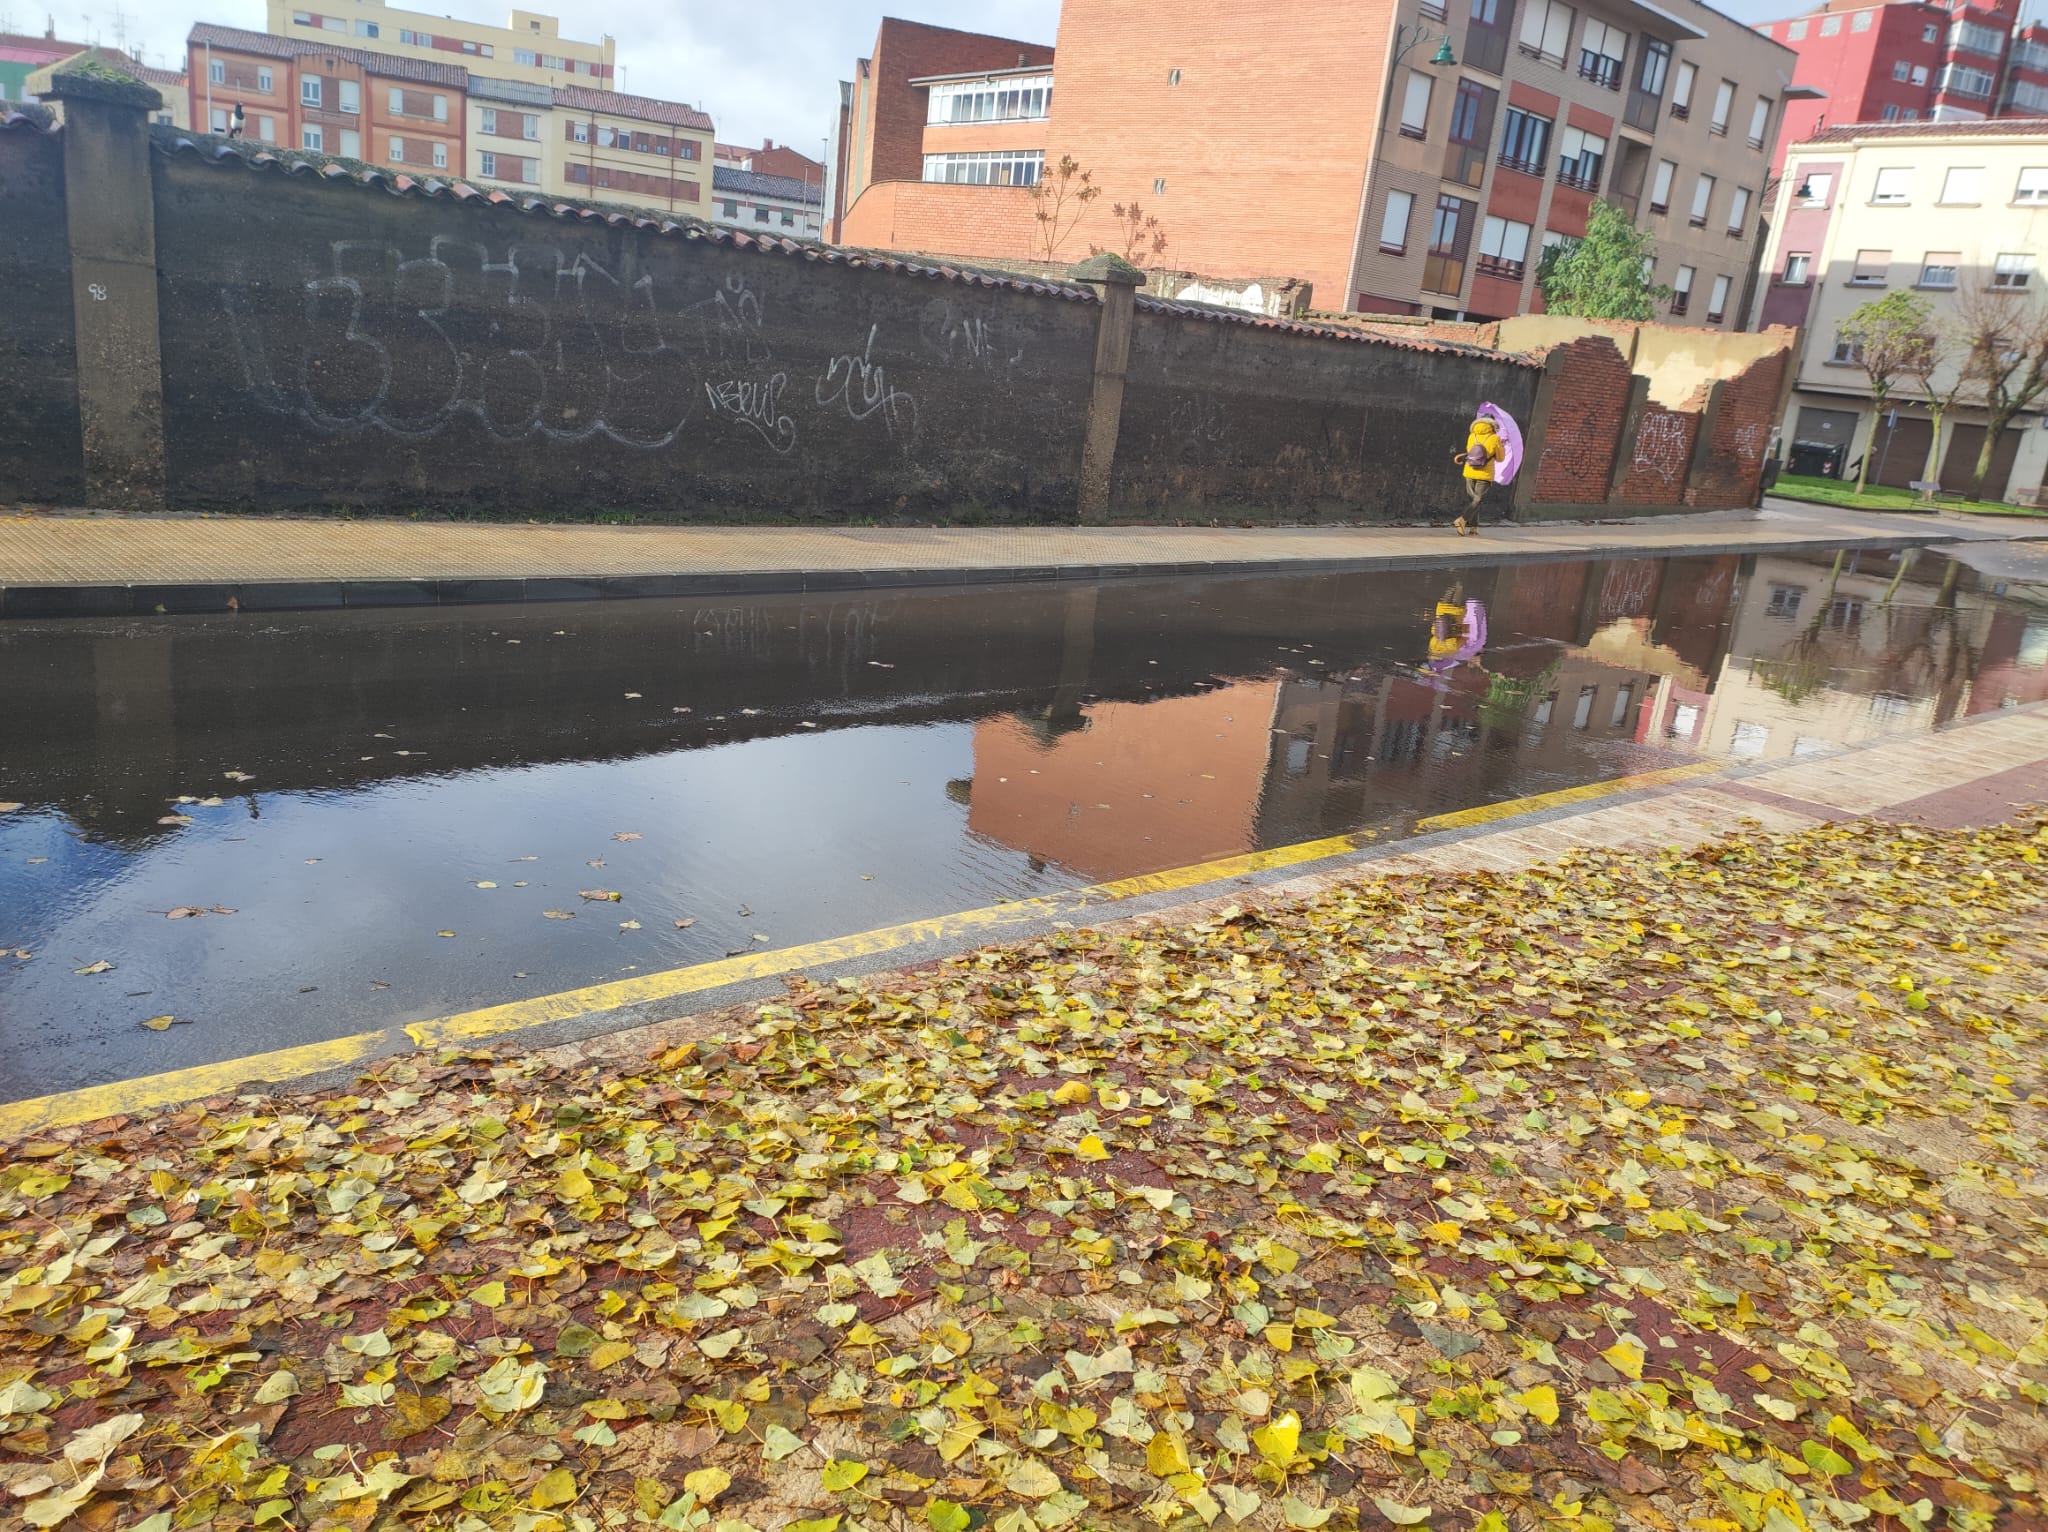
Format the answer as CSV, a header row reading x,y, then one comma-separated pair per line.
x,y
101,565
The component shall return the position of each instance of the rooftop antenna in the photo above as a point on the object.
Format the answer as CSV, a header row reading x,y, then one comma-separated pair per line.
x,y
120,29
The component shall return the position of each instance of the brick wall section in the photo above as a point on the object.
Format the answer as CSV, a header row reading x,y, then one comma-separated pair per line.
x,y
1577,454
1657,463
893,112
1742,436
1270,127
972,222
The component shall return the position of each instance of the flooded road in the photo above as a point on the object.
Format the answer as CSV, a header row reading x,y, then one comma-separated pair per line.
x,y
281,829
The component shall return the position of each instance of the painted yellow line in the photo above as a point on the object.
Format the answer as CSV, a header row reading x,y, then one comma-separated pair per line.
x,y
947,932
1511,808
19,1119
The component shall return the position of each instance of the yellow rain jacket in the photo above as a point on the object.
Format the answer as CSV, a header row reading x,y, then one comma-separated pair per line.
x,y
1483,436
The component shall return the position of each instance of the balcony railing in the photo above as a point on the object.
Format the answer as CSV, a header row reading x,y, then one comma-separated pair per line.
x,y
1578,181
1660,207
1410,131
1498,266
1756,141
1527,167
1716,318
1600,69
1679,302
1679,110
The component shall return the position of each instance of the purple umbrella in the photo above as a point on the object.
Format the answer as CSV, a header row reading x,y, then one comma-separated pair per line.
x,y
1510,443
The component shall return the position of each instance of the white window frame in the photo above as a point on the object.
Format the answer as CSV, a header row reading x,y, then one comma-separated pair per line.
x,y
1401,203
2012,272
265,80
1717,300
440,155
1963,186
529,126
1893,187
1547,30
396,145
487,165
1660,184
2032,185
1798,270
487,121
311,89
986,167
1416,97
1724,106
1682,85
1505,240
266,128
1702,198
351,147
1738,211
1759,121
313,137
1882,268
351,94
1014,98
1949,261
217,71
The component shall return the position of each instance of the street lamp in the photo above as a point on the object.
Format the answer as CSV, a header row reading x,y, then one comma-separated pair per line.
x,y
1406,40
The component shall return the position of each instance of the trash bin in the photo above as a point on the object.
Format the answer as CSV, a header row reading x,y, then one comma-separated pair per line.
x,y
1816,459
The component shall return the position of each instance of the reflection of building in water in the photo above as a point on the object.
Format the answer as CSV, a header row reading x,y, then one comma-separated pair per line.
x,y
1125,787
1821,659
2013,668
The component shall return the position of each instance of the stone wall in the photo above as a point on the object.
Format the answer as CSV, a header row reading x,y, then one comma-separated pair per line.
x,y
41,451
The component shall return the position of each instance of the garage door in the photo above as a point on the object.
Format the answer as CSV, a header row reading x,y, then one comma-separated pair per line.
x,y
1899,453
1961,461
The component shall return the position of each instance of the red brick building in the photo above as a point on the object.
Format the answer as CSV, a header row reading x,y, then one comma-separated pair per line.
x,y
930,110
1912,61
771,159
332,100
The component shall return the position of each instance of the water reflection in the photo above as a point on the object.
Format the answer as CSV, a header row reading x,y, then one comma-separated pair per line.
x,y
793,768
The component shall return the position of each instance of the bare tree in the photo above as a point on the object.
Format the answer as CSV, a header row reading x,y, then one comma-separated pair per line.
x,y
2006,340
1139,231
1885,335
1934,353
1057,202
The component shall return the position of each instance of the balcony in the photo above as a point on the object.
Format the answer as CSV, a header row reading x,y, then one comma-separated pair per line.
x,y
1680,302
1497,266
1600,69
1526,167
1567,175
1530,51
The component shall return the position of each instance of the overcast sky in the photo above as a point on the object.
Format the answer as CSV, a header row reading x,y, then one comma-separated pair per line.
x,y
762,68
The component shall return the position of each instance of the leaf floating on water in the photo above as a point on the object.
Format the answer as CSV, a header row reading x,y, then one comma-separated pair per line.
x,y
629,925
238,776
8,808
175,819
600,895
444,933
161,1023
685,923
559,914
102,966
486,884
632,696
625,835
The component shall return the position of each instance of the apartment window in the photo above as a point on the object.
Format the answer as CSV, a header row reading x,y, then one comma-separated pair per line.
x,y
1938,268
310,87
579,132
1724,103
1831,26
1601,51
529,125
606,138
1159,186
1580,158
1525,142
1017,100
266,129
218,119
1173,77
789,220
1660,186
1890,112
1759,119
1784,600
217,72
1795,32
1471,129
1798,268
1859,21
1394,222
313,137
397,154
1654,67
1738,211
1847,353
1964,184
487,166
366,29
1702,199
994,167
487,121
1965,81
1902,71
1681,90
1911,113
2032,98
1871,268
1583,713
441,156
1681,290
440,109
1504,248
729,210
397,101
264,79
1623,696
1930,34
1919,74
760,215
1546,31
2012,272
1415,105
523,57
2033,185
1717,301
1892,187
1443,271
351,144
1967,35
351,96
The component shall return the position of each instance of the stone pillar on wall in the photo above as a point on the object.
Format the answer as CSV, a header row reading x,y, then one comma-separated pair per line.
x,y
1703,443
1116,283
111,222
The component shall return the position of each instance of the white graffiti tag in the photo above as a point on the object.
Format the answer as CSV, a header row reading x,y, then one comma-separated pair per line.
x,y
756,404
861,385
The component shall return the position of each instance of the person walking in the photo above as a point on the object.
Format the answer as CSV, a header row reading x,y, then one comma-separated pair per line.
x,y
1492,455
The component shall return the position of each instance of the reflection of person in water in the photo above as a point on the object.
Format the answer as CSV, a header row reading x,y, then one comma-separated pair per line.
x,y
1457,632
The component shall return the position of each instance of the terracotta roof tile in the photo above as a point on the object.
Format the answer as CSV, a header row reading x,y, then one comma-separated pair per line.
x,y
1327,332
614,103
1991,127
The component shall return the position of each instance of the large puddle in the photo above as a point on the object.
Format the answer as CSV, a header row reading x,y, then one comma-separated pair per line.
x,y
383,816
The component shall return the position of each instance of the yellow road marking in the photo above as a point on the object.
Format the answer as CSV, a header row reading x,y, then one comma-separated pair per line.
x,y
1511,808
21,1118
18,1119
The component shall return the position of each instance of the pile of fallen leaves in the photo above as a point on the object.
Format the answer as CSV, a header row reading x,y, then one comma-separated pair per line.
x,y
1698,1191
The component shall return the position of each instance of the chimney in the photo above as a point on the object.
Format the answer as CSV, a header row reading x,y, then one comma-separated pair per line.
x,y
1023,59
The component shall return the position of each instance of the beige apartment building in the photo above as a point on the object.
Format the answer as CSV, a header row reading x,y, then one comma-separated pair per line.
x,y
604,146
1670,111
529,47
1956,212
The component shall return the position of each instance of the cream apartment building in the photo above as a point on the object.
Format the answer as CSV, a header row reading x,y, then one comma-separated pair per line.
x,y
529,47
603,146
1941,209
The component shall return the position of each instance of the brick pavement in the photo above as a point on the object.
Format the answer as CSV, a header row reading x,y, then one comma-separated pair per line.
x,y
146,564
